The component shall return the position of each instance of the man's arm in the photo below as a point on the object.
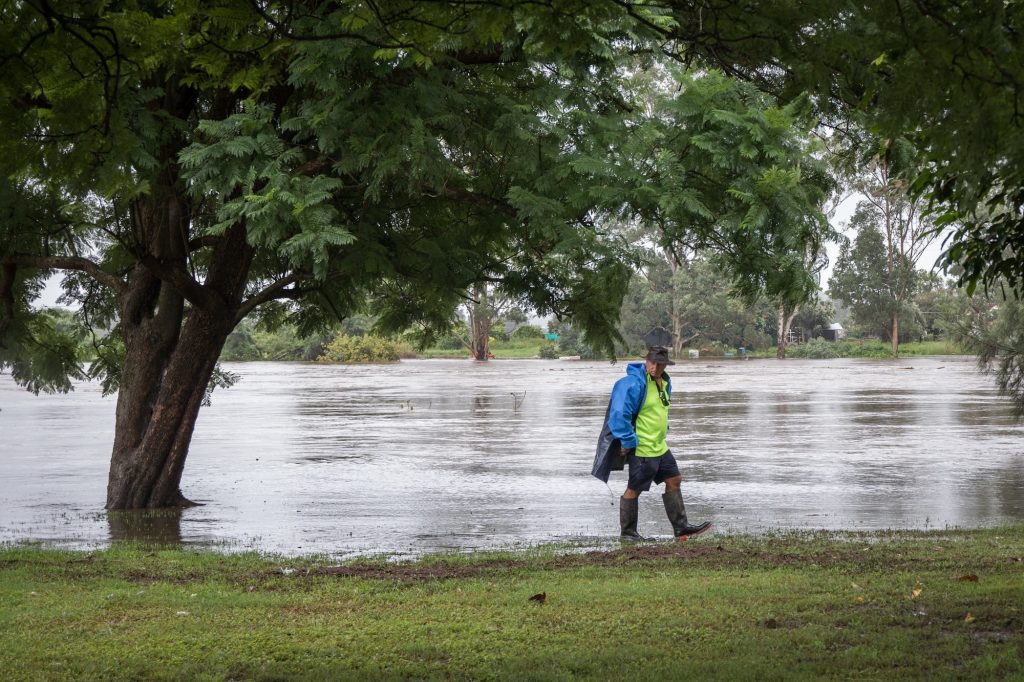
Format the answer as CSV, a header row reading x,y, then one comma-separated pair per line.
x,y
620,414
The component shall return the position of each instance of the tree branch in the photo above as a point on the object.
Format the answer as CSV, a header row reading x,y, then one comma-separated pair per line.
x,y
273,292
69,263
202,242
6,298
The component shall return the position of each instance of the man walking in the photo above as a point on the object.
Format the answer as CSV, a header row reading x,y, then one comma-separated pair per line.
x,y
635,430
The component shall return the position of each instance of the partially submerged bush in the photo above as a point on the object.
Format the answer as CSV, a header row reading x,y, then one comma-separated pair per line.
x,y
548,353
816,349
361,349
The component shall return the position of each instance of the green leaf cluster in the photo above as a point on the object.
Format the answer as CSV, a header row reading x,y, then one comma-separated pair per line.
x,y
361,349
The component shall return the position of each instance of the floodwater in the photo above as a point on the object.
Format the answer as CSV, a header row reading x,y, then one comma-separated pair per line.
x,y
452,455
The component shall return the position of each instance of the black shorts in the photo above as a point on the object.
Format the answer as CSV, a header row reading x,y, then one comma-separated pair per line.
x,y
644,470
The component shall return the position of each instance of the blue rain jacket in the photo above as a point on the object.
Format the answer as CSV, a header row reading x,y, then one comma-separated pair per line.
x,y
619,429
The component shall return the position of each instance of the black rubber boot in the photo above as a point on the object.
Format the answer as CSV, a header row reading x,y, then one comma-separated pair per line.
x,y
676,511
629,510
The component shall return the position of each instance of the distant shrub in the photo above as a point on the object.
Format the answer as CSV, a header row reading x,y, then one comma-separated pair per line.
x,y
240,346
866,349
575,345
548,353
361,349
528,331
816,349
450,342
714,349
406,350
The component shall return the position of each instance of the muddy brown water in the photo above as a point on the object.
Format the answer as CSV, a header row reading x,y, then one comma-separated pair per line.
x,y
438,455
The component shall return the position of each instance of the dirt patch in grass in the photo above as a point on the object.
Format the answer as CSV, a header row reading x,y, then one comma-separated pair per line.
x,y
724,554
632,555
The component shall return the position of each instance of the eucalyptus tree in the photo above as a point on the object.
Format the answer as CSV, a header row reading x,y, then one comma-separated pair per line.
x,y
878,174
713,312
486,307
876,284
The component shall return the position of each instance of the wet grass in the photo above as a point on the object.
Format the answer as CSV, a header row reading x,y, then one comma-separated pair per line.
x,y
518,349
907,605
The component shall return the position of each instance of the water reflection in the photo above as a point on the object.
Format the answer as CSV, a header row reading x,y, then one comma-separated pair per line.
x,y
158,528
434,455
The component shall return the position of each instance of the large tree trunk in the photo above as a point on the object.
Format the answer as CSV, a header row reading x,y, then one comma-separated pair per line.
x,y
675,316
149,457
677,330
166,372
895,334
480,324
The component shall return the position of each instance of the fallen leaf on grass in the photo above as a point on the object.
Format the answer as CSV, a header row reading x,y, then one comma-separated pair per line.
x,y
539,598
917,593
968,578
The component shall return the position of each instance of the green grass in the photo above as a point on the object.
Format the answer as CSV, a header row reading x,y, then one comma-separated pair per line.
x,y
932,348
737,608
502,350
821,349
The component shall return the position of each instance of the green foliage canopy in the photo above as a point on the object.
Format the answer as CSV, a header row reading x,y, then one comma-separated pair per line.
x,y
717,166
947,76
388,154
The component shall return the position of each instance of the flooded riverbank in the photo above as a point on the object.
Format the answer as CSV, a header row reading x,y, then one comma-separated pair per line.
x,y
436,455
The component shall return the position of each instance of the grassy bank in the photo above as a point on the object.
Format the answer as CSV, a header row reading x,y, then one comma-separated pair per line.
x,y
819,349
502,350
941,605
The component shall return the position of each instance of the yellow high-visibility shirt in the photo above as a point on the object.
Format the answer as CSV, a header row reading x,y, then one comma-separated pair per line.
x,y
652,422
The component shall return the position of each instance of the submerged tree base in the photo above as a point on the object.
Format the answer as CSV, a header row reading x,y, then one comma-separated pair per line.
x,y
907,605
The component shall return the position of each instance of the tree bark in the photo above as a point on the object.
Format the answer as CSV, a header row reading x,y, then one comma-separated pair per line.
x,y
677,332
675,317
167,370
480,324
155,421
785,322
896,334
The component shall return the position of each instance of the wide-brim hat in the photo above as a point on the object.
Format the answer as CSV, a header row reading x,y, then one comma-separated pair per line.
x,y
659,355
